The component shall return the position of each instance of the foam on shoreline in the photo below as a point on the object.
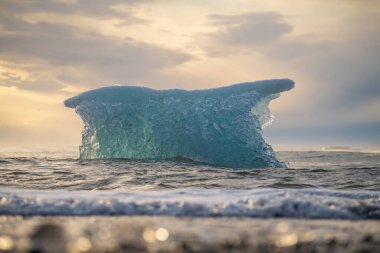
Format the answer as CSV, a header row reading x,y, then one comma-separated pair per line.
x,y
263,203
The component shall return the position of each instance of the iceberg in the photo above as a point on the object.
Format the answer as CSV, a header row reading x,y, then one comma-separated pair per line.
x,y
220,126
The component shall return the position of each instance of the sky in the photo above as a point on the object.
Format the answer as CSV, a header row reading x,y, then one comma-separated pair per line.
x,y
51,50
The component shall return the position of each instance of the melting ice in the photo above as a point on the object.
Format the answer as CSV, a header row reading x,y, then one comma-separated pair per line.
x,y
221,126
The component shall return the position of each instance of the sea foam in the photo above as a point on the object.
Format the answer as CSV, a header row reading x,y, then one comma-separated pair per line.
x,y
264,203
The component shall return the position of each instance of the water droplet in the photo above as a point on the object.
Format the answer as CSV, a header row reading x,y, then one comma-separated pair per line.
x,y
83,244
162,234
287,240
6,242
149,235
282,227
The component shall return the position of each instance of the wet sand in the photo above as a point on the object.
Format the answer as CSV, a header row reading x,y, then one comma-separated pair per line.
x,y
185,234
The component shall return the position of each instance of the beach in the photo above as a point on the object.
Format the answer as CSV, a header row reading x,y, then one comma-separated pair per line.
x,y
185,234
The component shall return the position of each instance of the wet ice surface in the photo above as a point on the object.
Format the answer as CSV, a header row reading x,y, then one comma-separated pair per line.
x,y
220,126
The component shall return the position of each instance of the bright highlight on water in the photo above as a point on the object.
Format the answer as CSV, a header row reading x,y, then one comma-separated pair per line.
x,y
221,126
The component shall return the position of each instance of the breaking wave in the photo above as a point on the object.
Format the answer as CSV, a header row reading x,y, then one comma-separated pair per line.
x,y
263,203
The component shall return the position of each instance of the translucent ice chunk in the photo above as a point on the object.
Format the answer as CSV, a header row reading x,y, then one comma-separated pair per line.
x,y
221,126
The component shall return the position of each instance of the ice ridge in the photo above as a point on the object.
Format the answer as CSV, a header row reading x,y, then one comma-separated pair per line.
x,y
221,126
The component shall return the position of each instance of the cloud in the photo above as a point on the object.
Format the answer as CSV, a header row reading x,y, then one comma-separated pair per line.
x,y
60,47
263,33
336,73
250,29
347,72
74,55
361,134
342,68
65,45
96,8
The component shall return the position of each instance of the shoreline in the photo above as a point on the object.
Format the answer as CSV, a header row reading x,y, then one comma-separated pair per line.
x,y
185,234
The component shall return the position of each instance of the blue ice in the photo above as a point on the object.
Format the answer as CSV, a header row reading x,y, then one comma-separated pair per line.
x,y
220,126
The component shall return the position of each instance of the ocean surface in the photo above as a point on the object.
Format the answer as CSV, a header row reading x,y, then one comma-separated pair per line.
x,y
317,184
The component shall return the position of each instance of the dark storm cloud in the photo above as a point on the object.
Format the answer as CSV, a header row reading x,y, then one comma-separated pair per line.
x,y
249,29
92,57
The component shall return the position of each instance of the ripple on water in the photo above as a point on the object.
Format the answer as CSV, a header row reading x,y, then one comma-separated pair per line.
x,y
125,174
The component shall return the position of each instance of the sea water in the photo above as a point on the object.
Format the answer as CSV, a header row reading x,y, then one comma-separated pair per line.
x,y
317,184
128,161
